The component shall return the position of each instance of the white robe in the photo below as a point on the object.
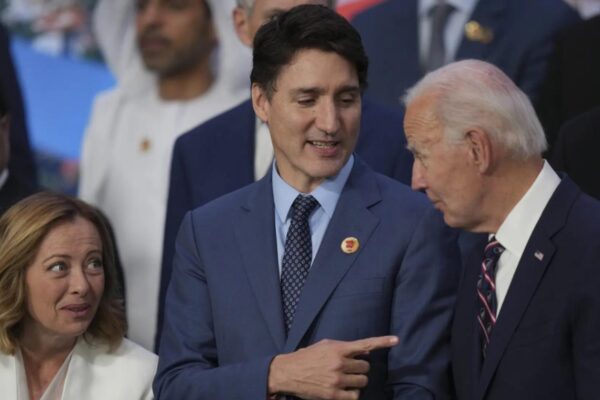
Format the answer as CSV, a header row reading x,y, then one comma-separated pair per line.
x,y
127,149
92,373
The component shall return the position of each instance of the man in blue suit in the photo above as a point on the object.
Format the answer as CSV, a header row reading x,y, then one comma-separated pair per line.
x,y
291,285
237,145
527,315
514,35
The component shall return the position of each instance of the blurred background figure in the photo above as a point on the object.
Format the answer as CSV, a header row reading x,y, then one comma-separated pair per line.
x,y
172,61
16,181
61,320
13,186
576,151
572,83
406,38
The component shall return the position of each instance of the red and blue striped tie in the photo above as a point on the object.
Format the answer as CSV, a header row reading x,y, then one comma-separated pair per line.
x,y
486,292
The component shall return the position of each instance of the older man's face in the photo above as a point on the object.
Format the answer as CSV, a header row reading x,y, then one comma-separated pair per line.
x,y
174,36
249,21
444,171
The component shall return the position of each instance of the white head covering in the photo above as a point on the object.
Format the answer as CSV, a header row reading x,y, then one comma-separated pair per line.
x,y
115,31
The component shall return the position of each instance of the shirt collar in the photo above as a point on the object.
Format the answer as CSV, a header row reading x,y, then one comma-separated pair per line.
x,y
327,193
459,5
518,226
3,177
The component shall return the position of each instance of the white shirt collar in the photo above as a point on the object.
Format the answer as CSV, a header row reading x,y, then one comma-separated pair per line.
x,y
518,226
3,177
460,5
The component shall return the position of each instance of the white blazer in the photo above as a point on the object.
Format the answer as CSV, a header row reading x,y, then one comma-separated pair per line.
x,y
94,374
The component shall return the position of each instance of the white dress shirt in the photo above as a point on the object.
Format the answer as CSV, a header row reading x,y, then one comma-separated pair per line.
x,y
515,231
263,149
3,177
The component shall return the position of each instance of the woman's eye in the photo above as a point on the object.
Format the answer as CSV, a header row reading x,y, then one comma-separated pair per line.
x,y
57,267
95,263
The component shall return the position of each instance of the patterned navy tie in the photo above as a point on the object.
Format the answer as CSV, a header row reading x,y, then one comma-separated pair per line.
x,y
486,292
297,256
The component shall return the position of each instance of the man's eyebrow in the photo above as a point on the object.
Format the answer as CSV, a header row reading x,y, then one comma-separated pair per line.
x,y
308,90
348,88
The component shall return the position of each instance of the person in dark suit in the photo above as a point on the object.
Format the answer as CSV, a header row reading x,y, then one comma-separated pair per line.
x,y
291,285
22,179
515,35
528,307
576,151
572,83
12,187
231,144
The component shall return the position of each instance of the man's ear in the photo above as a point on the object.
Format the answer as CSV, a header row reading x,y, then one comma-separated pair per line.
x,y
260,103
480,149
241,24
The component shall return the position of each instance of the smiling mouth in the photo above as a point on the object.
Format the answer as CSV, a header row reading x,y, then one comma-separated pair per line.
x,y
322,145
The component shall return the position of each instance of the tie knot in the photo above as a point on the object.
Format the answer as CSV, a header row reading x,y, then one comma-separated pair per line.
x,y
303,206
493,249
440,12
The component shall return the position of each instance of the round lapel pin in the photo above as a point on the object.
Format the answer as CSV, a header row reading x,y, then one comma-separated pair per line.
x,y
350,245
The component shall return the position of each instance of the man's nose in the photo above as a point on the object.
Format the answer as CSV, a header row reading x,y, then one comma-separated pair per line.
x,y
328,118
418,179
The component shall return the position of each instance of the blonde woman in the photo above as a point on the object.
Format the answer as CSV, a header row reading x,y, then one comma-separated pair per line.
x,y
62,323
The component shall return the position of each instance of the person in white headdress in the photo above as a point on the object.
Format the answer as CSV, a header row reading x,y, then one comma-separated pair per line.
x,y
176,65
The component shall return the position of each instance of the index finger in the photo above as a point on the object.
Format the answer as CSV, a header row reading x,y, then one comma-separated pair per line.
x,y
364,346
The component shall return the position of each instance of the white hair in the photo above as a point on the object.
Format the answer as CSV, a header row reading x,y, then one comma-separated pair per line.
x,y
473,93
248,5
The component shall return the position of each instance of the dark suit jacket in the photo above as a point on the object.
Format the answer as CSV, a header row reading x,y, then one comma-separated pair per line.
x,y
576,151
572,85
545,344
523,33
21,162
13,191
224,319
217,157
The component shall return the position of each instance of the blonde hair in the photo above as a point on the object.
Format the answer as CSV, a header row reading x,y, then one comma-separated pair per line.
x,y
22,229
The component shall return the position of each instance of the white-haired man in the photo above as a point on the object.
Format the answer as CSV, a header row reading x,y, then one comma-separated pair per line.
x,y
528,311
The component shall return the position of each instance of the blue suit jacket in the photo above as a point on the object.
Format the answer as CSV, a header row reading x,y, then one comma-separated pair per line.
x,y
224,320
217,157
523,33
545,344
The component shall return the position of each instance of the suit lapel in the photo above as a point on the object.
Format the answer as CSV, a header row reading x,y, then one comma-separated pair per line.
x,y
8,376
255,236
237,141
490,17
534,261
351,218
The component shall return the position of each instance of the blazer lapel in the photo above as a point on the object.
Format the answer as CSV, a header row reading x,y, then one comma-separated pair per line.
x,y
489,19
351,218
536,258
255,236
8,376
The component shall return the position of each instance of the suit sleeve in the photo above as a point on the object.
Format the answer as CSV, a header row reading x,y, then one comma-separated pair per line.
x,y
422,311
188,363
179,202
585,328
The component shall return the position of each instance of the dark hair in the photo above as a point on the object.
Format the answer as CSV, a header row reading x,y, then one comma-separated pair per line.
x,y
306,26
22,229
